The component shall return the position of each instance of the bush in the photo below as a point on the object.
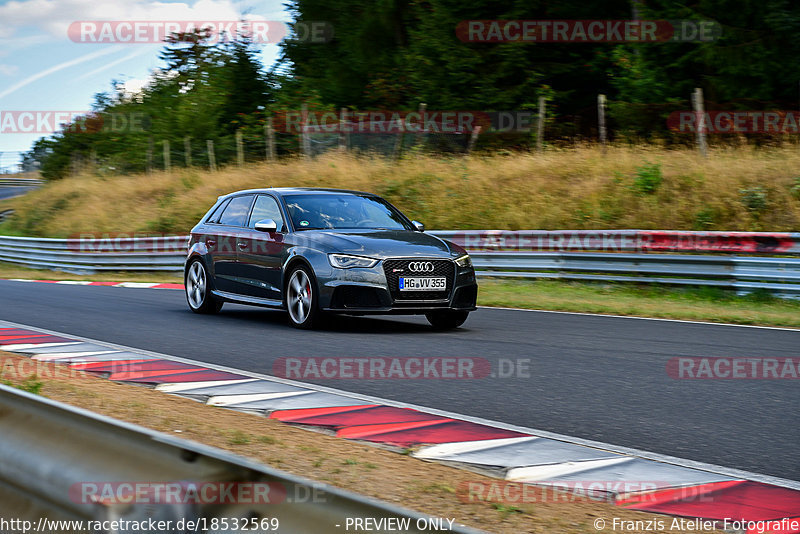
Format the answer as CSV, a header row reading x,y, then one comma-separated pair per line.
x,y
648,178
704,219
754,200
796,188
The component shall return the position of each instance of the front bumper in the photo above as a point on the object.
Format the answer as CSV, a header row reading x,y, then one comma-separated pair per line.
x,y
375,291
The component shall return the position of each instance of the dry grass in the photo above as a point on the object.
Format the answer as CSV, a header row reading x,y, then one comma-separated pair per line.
x,y
567,188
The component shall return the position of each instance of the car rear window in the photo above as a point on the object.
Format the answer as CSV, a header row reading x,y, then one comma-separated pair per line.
x,y
214,217
236,211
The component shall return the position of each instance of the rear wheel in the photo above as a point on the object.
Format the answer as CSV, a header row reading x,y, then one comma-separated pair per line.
x,y
198,294
446,320
301,299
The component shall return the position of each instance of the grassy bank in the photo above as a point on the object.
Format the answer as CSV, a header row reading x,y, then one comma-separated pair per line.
x,y
637,187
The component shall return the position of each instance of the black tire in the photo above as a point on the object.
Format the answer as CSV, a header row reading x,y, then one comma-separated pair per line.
x,y
198,290
302,298
446,320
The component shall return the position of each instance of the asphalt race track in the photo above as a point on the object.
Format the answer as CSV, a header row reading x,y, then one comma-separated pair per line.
x,y
11,192
599,378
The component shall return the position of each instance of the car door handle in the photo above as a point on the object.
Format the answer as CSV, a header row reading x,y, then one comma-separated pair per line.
x,y
210,242
242,245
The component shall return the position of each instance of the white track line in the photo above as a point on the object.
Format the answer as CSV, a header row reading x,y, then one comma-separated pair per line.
x,y
636,317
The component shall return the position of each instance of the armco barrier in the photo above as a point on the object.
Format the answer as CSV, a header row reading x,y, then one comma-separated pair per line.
x,y
42,476
20,182
610,255
624,241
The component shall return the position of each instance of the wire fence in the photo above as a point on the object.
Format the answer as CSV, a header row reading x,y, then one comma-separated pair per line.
x,y
313,131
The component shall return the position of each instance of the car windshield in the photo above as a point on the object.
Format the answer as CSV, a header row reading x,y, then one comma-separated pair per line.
x,y
342,211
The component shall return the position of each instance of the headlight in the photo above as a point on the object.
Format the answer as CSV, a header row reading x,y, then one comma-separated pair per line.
x,y
345,261
464,262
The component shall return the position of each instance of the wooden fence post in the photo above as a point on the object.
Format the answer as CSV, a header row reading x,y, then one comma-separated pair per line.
x,y
239,148
304,140
540,125
421,110
167,161
149,162
187,150
601,119
344,129
699,114
270,138
473,138
212,159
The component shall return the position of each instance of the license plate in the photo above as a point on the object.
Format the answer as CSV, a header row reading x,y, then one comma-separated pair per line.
x,y
423,284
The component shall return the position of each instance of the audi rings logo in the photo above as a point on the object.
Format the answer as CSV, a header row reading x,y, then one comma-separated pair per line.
x,y
421,266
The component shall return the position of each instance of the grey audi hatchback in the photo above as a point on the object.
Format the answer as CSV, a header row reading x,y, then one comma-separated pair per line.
x,y
314,252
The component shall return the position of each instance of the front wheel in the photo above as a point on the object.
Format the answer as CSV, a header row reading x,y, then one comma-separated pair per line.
x,y
446,320
198,294
301,299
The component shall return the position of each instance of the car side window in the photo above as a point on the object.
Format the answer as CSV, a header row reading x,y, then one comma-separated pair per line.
x,y
266,207
214,217
236,212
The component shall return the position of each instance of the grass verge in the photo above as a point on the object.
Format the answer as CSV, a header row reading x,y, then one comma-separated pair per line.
x,y
426,487
645,187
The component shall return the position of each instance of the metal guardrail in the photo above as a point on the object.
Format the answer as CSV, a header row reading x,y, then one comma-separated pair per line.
x,y
743,274
72,255
492,257
20,182
625,241
4,214
55,456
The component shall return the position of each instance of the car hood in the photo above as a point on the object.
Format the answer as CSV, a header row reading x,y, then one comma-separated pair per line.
x,y
381,243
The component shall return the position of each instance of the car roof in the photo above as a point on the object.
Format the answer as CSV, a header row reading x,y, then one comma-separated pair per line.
x,y
292,190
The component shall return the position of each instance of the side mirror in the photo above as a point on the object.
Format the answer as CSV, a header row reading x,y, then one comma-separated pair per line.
x,y
419,226
266,225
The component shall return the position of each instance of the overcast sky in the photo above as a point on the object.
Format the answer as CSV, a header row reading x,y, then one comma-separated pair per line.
x,y
43,68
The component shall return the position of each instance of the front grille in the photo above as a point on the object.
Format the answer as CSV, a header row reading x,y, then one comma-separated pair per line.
x,y
441,268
